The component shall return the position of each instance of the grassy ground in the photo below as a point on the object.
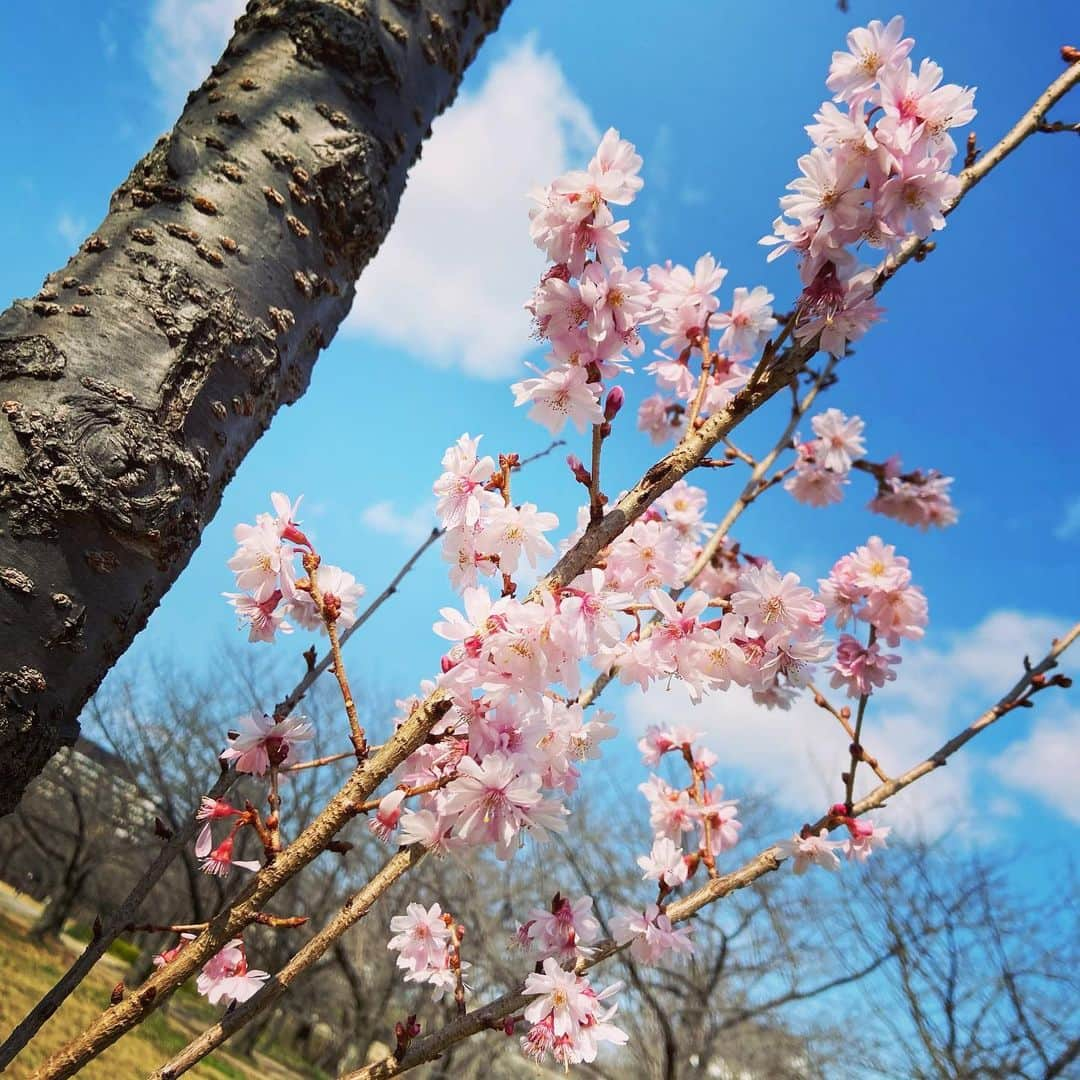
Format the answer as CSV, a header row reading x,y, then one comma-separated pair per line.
x,y
28,969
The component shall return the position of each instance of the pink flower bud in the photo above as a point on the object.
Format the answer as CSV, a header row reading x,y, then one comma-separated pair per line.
x,y
581,474
614,403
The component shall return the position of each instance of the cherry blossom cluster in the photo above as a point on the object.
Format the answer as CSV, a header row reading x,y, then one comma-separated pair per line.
x,y
695,813
824,463
878,174
916,498
816,849
590,309
872,585
569,1018
485,533
562,932
424,941
271,594
260,743
588,305
687,310
823,466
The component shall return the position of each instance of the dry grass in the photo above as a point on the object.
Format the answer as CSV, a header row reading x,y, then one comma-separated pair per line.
x,y
28,969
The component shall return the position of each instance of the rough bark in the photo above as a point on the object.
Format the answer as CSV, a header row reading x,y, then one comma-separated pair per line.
x,y
135,381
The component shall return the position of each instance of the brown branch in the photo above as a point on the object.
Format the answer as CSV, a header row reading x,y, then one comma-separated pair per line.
x,y
354,909
1051,126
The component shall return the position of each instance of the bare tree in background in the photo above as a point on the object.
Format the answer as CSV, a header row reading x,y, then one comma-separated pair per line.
x,y
986,978
142,372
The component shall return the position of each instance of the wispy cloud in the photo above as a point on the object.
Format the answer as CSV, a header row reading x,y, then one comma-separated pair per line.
x,y
1069,526
183,41
1045,764
450,281
71,229
797,756
412,526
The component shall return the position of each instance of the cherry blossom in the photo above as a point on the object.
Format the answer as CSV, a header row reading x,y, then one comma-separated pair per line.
x,y
564,931
665,863
420,936
839,439
651,934
871,49
811,850
860,668
262,741
226,977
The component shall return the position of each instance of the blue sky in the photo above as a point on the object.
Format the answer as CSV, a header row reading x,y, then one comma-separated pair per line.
x,y
973,372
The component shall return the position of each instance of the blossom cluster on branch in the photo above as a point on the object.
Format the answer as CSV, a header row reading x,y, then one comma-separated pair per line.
x,y
669,600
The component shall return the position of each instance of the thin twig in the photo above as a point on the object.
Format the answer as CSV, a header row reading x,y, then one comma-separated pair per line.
x,y
844,717
330,617
856,739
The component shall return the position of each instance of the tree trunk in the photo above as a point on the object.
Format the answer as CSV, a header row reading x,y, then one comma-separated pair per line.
x,y
143,371
59,907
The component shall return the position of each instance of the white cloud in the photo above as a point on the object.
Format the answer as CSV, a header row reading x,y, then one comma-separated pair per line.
x,y
797,756
1045,765
183,41
1069,526
72,230
450,281
412,527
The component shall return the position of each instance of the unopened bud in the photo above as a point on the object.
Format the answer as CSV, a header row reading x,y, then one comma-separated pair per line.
x,y
117,994
581,474
614,403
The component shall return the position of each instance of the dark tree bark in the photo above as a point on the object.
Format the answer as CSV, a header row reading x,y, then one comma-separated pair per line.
x,y
141,374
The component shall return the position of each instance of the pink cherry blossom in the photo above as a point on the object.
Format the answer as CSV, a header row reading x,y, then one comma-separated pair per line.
x,y
226,977
664,863
460,487
860,668
651,934
420,936
811,850
871,49
512,531
839,439
494,803
749,322
264,618
261,741
559,395
340,592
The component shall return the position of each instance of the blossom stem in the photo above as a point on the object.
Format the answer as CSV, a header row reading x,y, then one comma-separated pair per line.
x,y
707,359
317,762
421,789
596,499
273,819
856,745
457,933
696,793
843,717
356,732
